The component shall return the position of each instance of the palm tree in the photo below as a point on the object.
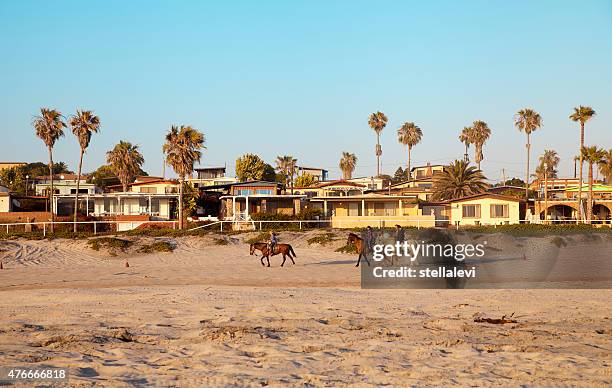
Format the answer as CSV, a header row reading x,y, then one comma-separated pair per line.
x,y
182,149
605,167
409,135
286,165
464,138
527,120
125,161
83,125
479,135
49,127
549,162
377,122
347,164
593,156
458,180
581,114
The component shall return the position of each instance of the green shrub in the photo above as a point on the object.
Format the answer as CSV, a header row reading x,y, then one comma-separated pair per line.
x,y
109,242
261,237
220,241
322,239
348,248
157,246
527,230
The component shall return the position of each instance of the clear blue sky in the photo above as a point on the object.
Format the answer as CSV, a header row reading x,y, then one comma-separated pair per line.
x,y
301,78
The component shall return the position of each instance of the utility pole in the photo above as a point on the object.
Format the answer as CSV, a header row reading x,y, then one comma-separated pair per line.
x,y
503,176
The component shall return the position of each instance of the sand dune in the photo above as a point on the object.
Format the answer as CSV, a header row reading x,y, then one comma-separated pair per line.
x,y
211,315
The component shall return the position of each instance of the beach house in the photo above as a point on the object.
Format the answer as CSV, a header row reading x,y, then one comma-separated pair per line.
x,y
210,176
319,174
376,210
246,199
5,200
338,188
63,184
479,209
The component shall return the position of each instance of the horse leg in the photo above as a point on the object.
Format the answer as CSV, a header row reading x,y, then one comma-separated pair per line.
x,y
366,259
262,263
358,260
284,258
291,257
268,258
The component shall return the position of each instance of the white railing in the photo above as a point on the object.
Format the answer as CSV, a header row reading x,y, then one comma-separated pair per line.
x,y
45,226
418,223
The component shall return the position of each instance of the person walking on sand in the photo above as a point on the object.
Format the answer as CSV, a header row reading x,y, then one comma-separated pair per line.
x,y
399,237
368,238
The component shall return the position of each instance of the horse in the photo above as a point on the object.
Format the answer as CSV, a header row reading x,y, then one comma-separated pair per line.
x,y
285,249
360,246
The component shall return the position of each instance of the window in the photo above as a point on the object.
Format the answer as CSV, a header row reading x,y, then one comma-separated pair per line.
x,y
148,190
243,192
354,209
471,211
499,211
264,191
390,208
81,191
143,204
155,205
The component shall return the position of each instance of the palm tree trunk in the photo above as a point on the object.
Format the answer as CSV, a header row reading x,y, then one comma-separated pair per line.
x,y
466,156
581,165
408,167
528,146
377,154
76,197
590,196
181,202
51,191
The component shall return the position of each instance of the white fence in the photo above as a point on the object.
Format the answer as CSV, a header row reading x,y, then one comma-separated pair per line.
x,y
46,226
20,227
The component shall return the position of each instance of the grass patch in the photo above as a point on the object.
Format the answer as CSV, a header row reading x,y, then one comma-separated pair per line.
x,y
530,230
109,243
220,241
348,248
157,246
261,237
559,242
322,239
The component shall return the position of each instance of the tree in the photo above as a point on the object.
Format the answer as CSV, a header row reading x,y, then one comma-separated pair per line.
x,y
409,134
347,165
458,179
465,138
125,160
377,122
250,167
605,167
400,175
305,180
49,127
183,147
83,125
511,182
582,114
593,156
549,162
479,135
527,120
286,166
105,176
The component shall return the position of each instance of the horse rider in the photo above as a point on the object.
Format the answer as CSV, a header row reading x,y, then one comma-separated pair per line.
x,y
273,242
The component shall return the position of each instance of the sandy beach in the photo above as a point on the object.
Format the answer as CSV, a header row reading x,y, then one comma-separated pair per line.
x,y
211,315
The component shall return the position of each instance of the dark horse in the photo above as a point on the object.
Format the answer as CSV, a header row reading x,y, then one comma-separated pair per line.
x,y
285,249
360,246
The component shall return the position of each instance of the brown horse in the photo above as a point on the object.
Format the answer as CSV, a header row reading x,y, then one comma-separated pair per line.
x,y
285,249
360,246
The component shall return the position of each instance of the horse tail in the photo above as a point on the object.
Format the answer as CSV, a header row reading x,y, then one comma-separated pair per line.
x,y
292,251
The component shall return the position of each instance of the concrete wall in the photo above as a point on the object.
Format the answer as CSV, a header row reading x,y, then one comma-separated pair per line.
x,y
382,221
485,212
